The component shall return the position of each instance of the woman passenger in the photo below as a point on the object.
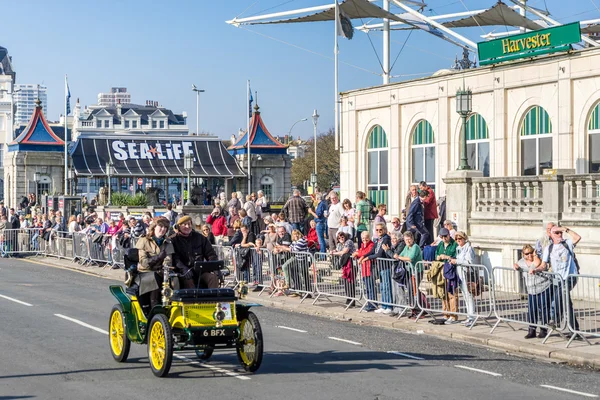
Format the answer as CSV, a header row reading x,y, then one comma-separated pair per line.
x,y
155,251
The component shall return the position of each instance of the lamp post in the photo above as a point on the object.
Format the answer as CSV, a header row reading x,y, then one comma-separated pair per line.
x,y
294,124
464,99
188,165
109,167
71,176
315,118
198,91
36,178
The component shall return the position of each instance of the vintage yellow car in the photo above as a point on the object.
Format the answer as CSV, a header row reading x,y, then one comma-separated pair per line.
x,y
200,319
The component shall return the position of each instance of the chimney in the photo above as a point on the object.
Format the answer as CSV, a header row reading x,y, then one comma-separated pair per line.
x,y
233,140
119,108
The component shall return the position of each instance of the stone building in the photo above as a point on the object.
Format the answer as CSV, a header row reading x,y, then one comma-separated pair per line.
x,y
528,116
34,162
271,165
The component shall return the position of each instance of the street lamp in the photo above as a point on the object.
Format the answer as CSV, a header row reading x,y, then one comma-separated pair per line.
x,y
36,178
109,167
188,165
315,118
198,91
290,131
464,100
70,176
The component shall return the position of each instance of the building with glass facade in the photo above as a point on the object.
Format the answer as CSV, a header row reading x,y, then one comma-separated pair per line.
x,y
24,98
528,115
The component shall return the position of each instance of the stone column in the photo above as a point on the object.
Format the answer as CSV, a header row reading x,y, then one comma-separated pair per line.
x,y
459,195
553,185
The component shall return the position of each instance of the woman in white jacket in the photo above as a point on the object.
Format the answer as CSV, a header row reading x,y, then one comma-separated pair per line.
x,y
465,256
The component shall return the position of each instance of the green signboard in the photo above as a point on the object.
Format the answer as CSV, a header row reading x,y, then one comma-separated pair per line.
x,y
530,44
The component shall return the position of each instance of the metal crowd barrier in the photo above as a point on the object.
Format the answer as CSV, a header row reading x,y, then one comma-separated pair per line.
x,y
376,282
15,242
466,296
542,300
294,273
528,299
262,269
226,254
584,306
332,279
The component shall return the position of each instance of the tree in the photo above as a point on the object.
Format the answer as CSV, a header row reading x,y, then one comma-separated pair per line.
x,y
328,163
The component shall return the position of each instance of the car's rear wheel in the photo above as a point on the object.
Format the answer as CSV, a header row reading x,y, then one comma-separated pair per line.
x,y
250,343
160,345
205,352
117,334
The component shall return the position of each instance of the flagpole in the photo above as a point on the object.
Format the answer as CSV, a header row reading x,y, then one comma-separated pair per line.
x,y
248,136
66,131
335,75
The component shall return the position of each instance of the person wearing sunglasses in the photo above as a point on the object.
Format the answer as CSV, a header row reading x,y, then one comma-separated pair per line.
x,y
383,266
445,252
560,254
539,293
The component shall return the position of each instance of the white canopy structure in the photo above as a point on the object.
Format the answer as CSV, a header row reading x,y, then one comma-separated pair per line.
x,y
499,14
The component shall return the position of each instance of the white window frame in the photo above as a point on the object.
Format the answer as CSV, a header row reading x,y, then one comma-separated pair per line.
x,y
422,146
537,151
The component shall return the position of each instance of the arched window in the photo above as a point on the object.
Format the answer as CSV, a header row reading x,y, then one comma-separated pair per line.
x,y
536,142
478,144
594,138
423,154
377,158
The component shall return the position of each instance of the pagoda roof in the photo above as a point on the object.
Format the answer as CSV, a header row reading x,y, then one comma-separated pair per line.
x,y
37,135
261,141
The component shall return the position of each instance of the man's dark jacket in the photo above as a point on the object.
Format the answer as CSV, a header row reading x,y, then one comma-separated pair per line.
x,y
191,248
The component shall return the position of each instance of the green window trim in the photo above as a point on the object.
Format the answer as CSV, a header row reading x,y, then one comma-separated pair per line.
x,y
423,133
594,123
477,128
536,122
377,138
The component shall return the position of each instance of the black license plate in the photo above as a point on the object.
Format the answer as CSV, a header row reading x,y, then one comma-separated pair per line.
x,y
216,333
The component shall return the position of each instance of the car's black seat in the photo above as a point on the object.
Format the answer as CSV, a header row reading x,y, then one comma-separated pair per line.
x,y
204,295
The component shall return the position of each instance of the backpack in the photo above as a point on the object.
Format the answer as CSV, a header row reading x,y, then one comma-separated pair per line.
x,y
572,254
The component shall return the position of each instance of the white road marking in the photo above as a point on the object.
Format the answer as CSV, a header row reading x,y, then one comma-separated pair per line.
x,y
16,301
483,371
82,323
405,355
221,370
344,340
569,391
291,329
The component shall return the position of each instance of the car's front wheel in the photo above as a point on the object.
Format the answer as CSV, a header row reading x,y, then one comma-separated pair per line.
x,y
117,335
250,343
160,345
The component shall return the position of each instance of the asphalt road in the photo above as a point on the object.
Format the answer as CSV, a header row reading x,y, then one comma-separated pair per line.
x,y
54,345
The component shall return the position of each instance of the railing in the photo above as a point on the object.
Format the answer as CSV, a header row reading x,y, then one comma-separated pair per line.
x,y
519,197
582,196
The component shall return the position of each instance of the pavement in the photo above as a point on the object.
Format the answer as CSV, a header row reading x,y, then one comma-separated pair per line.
x,y
504,338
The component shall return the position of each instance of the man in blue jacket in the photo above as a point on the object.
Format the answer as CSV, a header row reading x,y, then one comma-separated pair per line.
x,y
415,221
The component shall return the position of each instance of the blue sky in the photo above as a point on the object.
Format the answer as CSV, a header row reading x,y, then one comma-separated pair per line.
x,y
158,50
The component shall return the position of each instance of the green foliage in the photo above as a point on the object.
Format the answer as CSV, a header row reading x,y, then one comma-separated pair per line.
x,y
328,163
139,200
125,199
119,199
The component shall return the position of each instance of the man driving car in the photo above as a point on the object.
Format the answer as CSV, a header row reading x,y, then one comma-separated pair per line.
x,y
191,246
